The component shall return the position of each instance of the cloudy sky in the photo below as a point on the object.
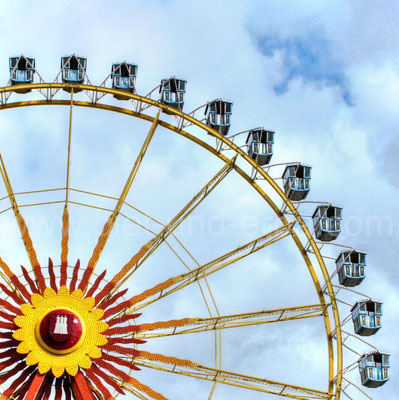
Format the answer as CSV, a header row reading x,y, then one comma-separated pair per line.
x,y
323,75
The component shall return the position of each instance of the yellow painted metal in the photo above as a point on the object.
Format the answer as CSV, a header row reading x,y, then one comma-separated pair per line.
x,y
154,243
8,186
218,263
112,218
69,151
15,208
238,320
335,371
166,242
131,389
238,380
136,167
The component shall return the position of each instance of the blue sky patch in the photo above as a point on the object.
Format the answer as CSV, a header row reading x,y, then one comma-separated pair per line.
x,y
309,58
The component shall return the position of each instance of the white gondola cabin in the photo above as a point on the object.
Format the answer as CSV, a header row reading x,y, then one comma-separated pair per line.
x,y
351,266
73,70
327,222
218,115
366,317
296,180
22,70
123,77
260,145
374,369
172,93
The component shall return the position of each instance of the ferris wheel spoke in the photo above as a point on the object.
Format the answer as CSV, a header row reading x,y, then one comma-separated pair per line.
x,y
137,260
65,215
132,390
35,386
192,325
239,380
64,246
18,383
112,219
66,386
81,387
120,379
136,388
37,270
97,381
179,282
69,150
13,281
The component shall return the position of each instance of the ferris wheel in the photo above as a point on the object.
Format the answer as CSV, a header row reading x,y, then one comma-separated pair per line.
x,y
74,330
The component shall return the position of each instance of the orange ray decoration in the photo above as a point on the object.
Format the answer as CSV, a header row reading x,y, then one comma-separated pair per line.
x,y
72,340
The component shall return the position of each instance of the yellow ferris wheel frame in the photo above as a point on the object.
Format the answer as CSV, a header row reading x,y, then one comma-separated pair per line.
x,y
335,364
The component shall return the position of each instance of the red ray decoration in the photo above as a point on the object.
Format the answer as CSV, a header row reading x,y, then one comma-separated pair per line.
x,y
125,377
8,353
96,284
121,350
58,389
75,390
9,307
7,316
9,344
121,330
15,358
17,382
29,280
74,276
35,386
83,387
14,280
53,283
67,389
119,361
47,388
22,391
6,335
120,340
123,319
11,294
97,382
112,299
107,379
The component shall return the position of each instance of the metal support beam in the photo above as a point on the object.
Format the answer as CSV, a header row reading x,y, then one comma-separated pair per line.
x,y
238,320
154,243
35,387
219,263
112,219
81,387
23,229
69,151
238,380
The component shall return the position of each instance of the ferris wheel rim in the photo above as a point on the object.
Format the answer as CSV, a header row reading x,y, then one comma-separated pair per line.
x,y
334,378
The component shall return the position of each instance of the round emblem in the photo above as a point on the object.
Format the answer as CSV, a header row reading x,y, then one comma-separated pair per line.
x,y
61,330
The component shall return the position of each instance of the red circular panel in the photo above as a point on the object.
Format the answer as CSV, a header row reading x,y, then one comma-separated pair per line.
x,y
61,329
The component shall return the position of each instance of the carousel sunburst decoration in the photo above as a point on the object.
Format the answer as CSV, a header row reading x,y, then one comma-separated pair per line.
x,y
60,331
71,338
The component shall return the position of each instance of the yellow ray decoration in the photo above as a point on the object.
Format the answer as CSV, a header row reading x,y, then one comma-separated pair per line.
x,y
59,361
